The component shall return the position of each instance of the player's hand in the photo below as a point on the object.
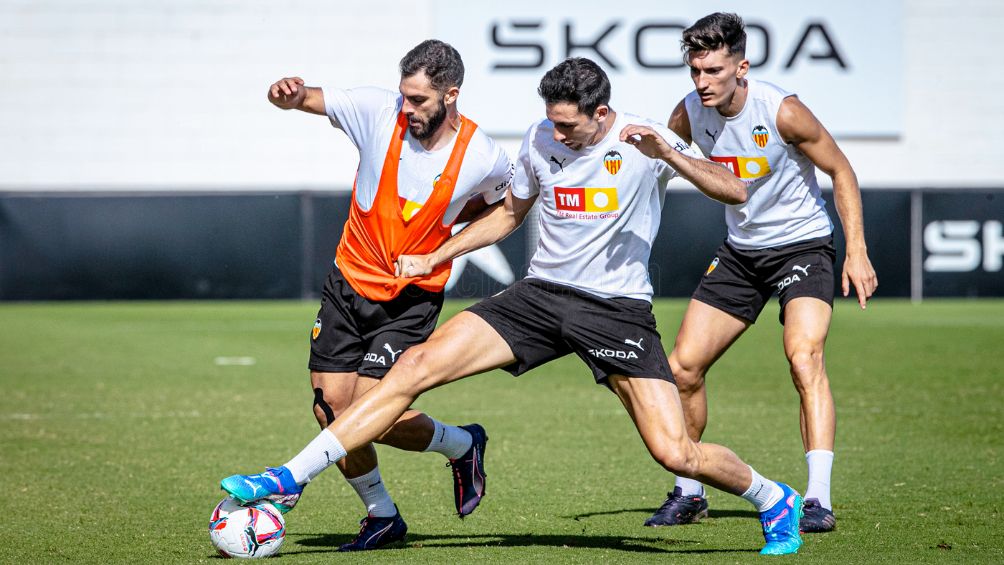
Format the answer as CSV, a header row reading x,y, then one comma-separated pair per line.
x,y
287,93
858,271
646,140
408,266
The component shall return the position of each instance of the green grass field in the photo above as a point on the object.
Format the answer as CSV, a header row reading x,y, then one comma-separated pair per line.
x,y
116,426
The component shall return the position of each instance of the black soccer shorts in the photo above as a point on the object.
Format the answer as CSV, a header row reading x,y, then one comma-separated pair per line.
x,y
354,334
542,321
741,282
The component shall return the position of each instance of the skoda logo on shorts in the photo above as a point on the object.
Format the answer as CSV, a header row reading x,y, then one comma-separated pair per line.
x,y
317,329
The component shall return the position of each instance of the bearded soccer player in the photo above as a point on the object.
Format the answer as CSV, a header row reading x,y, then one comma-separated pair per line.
x,y
779,240
587,292
422,165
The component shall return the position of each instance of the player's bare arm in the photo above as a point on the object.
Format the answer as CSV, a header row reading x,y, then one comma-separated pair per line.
x,y
710,178
679,122
492,226
291,94
798,126
475,207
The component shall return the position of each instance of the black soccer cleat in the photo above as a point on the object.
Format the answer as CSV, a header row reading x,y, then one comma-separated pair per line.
x,y
469,472
377,532
816,519
679,510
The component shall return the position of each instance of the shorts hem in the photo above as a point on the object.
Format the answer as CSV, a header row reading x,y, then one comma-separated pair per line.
x,y
326,368
724,308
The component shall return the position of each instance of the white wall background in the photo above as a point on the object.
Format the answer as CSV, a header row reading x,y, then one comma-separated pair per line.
x,y
161,94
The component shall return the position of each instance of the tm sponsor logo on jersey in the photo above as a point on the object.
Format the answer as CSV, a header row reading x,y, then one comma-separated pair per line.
x,y
749,169
586,203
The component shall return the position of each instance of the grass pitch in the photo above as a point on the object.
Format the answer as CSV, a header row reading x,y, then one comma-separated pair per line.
x,y
117,422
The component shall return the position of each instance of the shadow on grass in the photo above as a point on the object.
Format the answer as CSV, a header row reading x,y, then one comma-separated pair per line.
x,y
415,541
711,513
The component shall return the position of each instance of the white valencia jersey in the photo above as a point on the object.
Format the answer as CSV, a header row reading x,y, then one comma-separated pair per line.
x,y
368,115
784,204
599,208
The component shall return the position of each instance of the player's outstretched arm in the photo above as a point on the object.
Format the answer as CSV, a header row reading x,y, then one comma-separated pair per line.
x,y
291,94
798,126
493,225
710,178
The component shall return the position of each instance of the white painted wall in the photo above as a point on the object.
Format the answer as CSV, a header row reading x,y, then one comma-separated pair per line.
x,y
161,94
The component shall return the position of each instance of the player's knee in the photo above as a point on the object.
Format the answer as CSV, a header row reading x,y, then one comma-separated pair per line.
x,y
327,406
413,373
807,365
677,456
689,375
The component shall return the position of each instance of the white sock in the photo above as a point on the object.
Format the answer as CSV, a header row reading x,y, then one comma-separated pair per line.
x,y
820,463
763,493
451,441
689,487
322,452
374,495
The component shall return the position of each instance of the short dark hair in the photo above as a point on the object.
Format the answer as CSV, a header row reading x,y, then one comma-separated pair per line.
x,y
577,80
440,61
714,31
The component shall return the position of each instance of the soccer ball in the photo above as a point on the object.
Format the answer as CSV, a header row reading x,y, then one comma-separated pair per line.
x,y
256,530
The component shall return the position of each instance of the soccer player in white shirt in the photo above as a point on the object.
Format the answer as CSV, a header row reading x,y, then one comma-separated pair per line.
x,y
779,240
600,176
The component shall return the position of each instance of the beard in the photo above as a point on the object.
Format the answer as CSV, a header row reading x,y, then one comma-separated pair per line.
x,y
425,130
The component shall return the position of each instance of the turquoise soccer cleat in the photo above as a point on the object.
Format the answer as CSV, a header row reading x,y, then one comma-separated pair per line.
x,y
275,485
780,524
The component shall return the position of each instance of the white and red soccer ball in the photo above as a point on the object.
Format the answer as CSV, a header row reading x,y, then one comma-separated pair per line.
x,y
256,530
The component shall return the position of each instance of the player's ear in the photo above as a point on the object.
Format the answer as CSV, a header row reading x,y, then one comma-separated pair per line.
x,y
744,67
601,113
451,95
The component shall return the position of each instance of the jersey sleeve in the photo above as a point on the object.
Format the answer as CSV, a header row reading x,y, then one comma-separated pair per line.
x,y
358,110
499,178
525,183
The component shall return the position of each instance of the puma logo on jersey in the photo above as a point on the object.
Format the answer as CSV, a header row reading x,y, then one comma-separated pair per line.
x,y
711,135
805,269
393,354
560,164
635,343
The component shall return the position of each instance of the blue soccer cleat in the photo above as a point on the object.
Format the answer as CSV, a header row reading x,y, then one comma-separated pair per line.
x,y
275,485
377,532
780,524
469,472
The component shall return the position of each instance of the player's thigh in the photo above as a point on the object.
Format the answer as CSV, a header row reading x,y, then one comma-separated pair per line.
x,y
654,406
705,334
465,345
806,325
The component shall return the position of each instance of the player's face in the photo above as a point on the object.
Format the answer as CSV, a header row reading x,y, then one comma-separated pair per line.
x,y
573,128
715,75
424,106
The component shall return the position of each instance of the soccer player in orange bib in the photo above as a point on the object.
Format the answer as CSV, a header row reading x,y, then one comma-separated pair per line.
x,y
422,167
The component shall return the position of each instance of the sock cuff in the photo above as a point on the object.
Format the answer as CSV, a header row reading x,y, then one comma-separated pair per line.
x,y
819,453
367,478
